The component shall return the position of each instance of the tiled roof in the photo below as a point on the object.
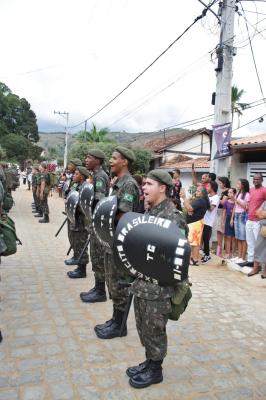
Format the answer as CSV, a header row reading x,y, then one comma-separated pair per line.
x,y
200,162
258,139
161,144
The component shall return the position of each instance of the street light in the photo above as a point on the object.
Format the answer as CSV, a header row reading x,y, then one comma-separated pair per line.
x,y
66,135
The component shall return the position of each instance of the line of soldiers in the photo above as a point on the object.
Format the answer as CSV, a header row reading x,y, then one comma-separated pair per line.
x,y
152,302
40,191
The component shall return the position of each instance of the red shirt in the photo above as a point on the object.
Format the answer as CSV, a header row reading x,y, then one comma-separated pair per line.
x,y
257,197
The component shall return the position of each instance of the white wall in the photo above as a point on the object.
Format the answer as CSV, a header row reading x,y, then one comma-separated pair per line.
x,y
192,144
237,170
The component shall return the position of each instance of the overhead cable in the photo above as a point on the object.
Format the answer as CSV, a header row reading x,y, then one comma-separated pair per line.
x,y
199,17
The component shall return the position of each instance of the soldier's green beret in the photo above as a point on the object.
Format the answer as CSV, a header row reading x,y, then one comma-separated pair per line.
x,y
126,153
97,154
75,161
83,171
160,176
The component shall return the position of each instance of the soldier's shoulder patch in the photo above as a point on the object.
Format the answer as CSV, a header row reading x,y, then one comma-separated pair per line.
x,y
128,197
99,184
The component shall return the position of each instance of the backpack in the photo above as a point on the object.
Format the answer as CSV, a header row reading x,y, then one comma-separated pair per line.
x,y
54,179
8,237
8,202
180,300
12,178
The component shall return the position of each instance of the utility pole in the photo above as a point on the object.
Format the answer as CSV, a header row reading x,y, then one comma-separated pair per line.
x,y
225,53
64,113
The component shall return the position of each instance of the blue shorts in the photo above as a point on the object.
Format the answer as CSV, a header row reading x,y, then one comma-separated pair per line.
x,y
240,225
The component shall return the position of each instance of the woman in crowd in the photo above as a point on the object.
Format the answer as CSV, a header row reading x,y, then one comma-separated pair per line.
x,y
260,248
224,185
229,231
239,218
196,209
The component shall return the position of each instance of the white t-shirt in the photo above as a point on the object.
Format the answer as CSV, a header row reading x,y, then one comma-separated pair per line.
x,y
210,216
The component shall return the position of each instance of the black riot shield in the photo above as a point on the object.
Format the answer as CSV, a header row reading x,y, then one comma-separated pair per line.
x,y
103,220
151,248
71,205
86,195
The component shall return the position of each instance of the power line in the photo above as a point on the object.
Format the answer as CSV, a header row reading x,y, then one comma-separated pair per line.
x,y
199,17
253,56
250,122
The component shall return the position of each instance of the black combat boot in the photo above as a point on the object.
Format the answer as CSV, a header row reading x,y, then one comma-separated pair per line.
x,y
96,294
71,261
111,329
79,272
132,371
45,219
150,375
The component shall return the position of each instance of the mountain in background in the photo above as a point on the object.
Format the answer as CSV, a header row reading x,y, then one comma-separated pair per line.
x,y
53,139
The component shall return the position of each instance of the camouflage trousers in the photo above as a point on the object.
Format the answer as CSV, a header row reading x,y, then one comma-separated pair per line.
x,y
44,204
114,276
79,239
151,319
97,258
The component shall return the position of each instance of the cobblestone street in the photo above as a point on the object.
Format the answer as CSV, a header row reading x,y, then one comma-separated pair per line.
x,y
50,351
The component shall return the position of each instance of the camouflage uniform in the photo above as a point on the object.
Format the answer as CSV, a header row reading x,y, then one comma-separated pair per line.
x,y
72,186
101,189
34,188
44,177
152,303
79,235
127,192
38,185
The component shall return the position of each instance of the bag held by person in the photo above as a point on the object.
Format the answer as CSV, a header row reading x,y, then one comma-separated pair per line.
x,y
263,231
180,299
8,236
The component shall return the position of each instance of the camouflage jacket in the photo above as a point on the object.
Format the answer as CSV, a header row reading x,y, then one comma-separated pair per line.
x,y
101,185
151,291
127,192
44,177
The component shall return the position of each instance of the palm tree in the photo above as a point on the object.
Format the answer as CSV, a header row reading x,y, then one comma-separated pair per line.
x,y
237,107
94,136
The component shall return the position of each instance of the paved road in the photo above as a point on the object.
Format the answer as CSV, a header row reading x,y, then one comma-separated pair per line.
x,y
216,351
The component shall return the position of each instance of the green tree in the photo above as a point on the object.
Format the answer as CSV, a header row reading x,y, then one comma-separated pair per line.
x,y
140,166
237,106
2,153
93,136
18,148
16,115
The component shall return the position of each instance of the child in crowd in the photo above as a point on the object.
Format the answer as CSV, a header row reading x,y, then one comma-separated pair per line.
x,y
239,218
209,219
229,231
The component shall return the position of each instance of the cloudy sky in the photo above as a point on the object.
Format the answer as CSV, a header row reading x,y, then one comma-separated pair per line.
x,y
75,56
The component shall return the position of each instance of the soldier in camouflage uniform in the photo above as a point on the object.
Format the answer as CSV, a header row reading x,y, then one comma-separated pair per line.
x,y
35,171
127,192
152,302
101,183
79,229
71,185
44,192
38,191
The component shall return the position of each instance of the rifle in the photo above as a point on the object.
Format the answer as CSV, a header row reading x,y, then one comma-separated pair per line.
x,y
83,250
127,309
69,250
61,227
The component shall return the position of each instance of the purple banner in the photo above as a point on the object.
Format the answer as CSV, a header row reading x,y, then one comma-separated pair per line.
x,y
222,137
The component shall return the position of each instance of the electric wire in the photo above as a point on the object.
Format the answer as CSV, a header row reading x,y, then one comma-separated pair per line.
x,y
253,57
199,17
